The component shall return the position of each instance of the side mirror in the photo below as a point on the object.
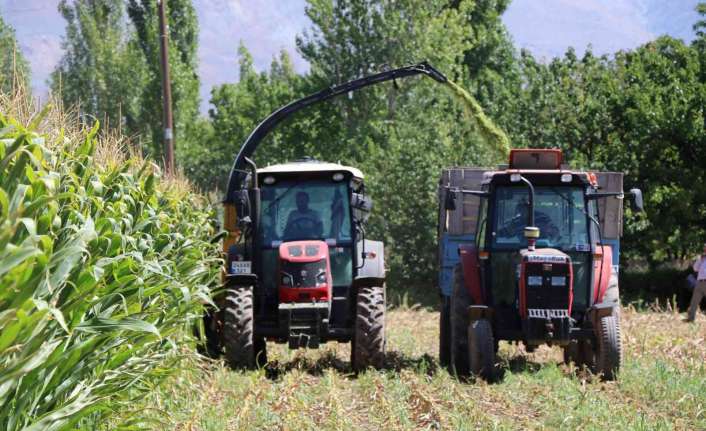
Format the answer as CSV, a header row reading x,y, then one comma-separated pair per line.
x,y
241,201
362,205
638,203
450,200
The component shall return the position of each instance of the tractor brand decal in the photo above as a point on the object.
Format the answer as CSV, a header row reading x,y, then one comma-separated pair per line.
x,y
542,313
543,258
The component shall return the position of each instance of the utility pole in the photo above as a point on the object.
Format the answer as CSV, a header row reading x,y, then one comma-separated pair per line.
x,y
168,119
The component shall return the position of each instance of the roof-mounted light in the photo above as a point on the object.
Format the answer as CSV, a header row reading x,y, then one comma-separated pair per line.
x,y
527,158
338,176
269,180
566,178
515,178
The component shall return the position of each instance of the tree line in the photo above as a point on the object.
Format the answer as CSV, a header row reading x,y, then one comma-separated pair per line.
x,y
639,111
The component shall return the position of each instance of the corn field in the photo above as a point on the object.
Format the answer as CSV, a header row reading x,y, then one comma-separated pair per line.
x,y
104,268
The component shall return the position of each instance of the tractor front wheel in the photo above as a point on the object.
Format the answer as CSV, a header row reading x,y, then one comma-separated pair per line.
x,y
242,349
368,344
481,349
609,354
459,321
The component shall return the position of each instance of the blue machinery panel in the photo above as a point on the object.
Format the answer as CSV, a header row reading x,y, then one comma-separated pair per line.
x,y
448,258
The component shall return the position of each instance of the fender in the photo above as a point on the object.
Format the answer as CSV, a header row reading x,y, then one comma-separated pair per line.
x,y
372,271
602,272
471,272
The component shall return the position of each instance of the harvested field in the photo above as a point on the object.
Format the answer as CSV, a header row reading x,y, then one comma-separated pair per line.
x,y
662,386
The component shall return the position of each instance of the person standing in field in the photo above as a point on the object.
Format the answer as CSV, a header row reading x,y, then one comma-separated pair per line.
x,y
700,289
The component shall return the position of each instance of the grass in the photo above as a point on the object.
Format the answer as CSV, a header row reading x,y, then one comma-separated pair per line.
x,y
662,386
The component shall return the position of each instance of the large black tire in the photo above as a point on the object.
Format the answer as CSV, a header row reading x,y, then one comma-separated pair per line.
x,y
609,354
481,349
368,344
242,349
445,332
571,353
460,301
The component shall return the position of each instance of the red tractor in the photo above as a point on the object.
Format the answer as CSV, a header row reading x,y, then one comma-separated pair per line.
x,y
526,259
299,269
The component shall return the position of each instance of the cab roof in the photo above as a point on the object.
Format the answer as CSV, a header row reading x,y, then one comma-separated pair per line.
x,y
310,166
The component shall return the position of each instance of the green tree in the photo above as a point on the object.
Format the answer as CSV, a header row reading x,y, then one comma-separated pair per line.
x,y
639,112
491,62
237,109
14,69
100,71
183,45
659,118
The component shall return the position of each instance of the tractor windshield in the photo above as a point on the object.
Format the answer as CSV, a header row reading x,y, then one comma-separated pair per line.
x,y
311,209
559,213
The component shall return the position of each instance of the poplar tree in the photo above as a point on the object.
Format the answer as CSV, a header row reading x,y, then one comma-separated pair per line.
x,y
14,69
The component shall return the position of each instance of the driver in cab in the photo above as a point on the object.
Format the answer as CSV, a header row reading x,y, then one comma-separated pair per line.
x,y
514,228
303,222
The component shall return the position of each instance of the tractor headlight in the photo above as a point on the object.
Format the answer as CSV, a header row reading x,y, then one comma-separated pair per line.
x,y
559,281
534,280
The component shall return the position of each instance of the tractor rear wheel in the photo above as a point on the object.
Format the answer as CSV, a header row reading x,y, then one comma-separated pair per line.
x,y
459,321
368,344
481,349
609,354
242,349
444,332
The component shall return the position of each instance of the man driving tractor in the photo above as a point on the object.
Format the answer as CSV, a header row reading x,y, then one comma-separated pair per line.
x,y
514,227
303,222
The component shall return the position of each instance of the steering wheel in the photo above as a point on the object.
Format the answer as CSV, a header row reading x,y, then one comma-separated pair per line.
x,y
301,226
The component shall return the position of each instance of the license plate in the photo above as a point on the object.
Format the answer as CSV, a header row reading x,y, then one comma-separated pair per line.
x,y
241,267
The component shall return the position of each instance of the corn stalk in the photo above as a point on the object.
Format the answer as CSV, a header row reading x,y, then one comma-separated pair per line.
x,y
102,273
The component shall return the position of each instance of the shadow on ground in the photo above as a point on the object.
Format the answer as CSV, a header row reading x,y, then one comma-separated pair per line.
x,y
394,361
397,361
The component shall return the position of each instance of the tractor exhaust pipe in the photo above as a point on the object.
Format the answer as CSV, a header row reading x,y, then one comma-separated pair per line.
x,y
531,231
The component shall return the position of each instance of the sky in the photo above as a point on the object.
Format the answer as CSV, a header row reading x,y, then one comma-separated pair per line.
x,y
545,27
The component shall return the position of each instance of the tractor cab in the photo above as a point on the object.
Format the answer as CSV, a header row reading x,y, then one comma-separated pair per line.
x,y
534,263
308,230
298,265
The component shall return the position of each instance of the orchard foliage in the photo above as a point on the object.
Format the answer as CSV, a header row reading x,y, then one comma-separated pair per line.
x,y
640,112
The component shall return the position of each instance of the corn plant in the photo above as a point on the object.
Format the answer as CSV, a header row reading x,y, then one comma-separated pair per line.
x,y
103,270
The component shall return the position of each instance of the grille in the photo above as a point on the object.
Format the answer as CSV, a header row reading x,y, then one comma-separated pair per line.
x,y
547,286
306,274
542,313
